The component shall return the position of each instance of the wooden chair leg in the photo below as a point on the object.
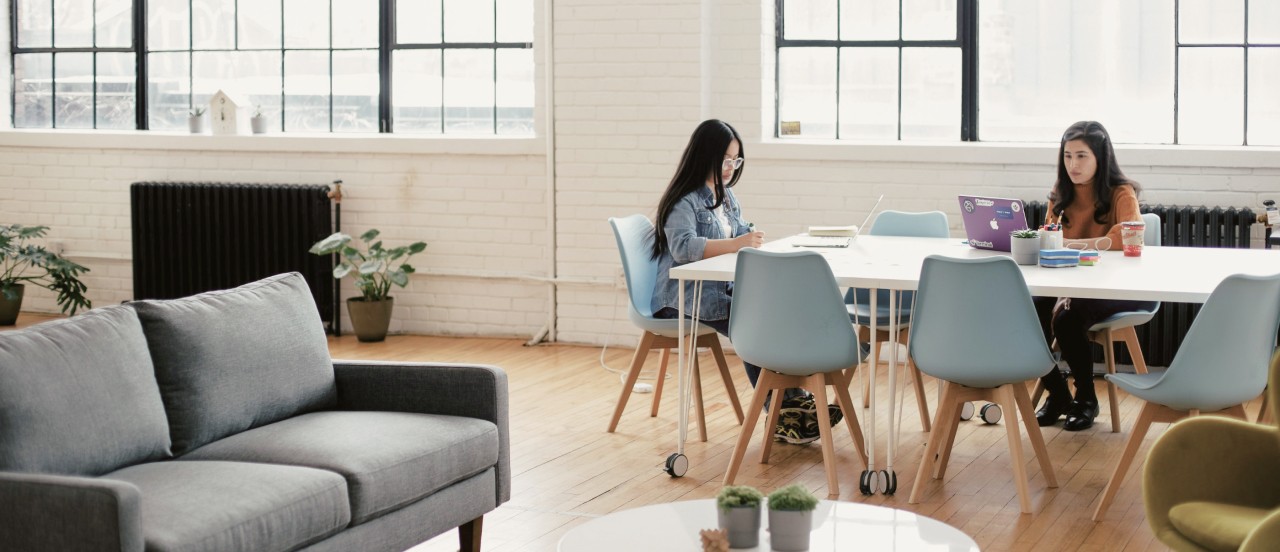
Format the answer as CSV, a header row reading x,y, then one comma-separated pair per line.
x,y
775,411
657,385
1004,397
1264,414
1109,354
729,388
637,362
945,405
841,385
952,427
1238,412
1038,392
922,403
1139,431
469,535
1034,435
818,384
748,425
1130,337
697,398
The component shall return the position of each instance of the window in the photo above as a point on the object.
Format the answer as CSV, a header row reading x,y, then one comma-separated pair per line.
x,y
1228,54
309,65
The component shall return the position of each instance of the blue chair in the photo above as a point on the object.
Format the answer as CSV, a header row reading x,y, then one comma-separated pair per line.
x,y
635,243
786,319
1119,327
978,356
1221,363
931,224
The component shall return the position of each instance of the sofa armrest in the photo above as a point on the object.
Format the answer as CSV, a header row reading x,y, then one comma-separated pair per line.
x,y
468,390
55,512
1211,459
1265,537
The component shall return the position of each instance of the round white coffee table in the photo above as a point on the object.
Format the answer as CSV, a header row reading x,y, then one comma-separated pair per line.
x,y
837,526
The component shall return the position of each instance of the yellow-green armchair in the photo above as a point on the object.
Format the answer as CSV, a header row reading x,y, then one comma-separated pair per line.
x,y
1211,483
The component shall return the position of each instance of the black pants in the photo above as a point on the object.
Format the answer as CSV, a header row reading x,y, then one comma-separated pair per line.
x,y
1071,328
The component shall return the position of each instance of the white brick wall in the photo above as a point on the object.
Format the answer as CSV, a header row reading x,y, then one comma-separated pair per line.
x,y
629,83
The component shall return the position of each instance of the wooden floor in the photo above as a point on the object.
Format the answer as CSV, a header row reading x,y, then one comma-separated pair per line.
x,y
567,469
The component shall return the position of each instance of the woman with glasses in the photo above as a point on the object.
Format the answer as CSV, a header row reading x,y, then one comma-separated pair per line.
x,y
1090,199
699,217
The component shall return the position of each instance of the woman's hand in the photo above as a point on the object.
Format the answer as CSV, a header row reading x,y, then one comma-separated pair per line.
x,y
750,239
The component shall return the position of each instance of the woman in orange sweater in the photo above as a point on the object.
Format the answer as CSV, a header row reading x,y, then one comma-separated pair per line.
x,y
1090,199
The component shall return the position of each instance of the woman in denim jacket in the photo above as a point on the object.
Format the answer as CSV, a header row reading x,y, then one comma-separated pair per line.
x,y
699,217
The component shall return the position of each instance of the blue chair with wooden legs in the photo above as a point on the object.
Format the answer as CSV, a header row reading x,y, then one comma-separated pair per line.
x,y
930,224
978,356
634,235
1221,364
1119,328
786,319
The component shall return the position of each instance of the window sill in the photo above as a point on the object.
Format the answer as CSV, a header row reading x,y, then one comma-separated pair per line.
x,y
302,143
1003,153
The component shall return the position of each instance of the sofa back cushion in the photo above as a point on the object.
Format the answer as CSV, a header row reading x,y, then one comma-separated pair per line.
x,y
236,359
78,396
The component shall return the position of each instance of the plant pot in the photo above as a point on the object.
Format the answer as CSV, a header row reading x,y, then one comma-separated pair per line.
x,y
789,531
370,319
1025,251
741,524
259,124
196,124
9,307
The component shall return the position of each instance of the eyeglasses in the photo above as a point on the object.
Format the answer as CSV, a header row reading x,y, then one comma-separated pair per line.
x,y
734,164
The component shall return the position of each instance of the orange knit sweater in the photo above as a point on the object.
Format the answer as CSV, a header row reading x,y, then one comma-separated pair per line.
x,y
1079,215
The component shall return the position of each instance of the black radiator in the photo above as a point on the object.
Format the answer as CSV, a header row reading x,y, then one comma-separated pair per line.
x,y
194,237
1183,226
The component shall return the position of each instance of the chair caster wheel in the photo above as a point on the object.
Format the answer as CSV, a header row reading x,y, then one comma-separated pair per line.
x,y
966,412
865,483
677,465
888,482
990,413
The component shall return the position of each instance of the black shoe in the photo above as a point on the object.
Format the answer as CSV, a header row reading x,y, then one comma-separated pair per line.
x,y
1051,411
807,406
1080,415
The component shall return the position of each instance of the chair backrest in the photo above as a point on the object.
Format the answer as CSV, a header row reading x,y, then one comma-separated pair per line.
x,y
635,244
975,324
1152,235
927,224
787,316
1223,359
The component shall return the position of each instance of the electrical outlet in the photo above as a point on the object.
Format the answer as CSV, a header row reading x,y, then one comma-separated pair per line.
x,y
620,279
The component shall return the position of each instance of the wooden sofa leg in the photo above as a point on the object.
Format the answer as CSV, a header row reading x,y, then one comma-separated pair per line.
x,y
469,535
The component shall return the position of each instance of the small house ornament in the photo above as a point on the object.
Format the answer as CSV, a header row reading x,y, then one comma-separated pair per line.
x,y
229,113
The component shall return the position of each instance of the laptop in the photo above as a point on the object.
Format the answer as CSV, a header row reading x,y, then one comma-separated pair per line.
x,y
988,221
835,241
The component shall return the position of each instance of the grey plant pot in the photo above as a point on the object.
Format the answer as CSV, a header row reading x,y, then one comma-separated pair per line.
x,y
9,310
259,124
742,524
789,531
370,319
1025,251
196,124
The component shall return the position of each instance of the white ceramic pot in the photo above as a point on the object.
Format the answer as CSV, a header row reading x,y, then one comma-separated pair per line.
x,y
742,524
196,124
789,531
1025,251
1051,239
259,124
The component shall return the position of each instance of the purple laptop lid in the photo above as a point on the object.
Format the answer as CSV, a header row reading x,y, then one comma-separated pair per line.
x,y
988,221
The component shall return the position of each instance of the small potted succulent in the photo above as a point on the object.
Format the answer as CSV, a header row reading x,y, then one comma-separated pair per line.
x,y
259,120
195,120
1024,245
738,511
791,518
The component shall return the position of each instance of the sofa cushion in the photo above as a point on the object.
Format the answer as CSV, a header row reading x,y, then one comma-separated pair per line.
x,y
78,396
1216,526
196,506
236,359
388,458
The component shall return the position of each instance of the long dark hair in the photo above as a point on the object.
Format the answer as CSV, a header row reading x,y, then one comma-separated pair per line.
x,y
703,158
1105,179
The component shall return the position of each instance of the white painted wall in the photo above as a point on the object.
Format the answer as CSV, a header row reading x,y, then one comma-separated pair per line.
x,y
631,81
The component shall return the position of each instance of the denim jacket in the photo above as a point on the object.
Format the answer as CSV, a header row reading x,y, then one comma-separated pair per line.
x,y
689,226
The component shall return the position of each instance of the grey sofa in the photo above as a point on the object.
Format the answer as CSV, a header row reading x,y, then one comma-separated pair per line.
x,y
219,422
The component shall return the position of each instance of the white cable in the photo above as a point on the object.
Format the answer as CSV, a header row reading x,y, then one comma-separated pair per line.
x,y
644,374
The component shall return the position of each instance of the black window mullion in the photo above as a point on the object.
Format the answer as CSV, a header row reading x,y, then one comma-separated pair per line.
x,y
140,64
1244,140
330,64
967,30
386,41
495,66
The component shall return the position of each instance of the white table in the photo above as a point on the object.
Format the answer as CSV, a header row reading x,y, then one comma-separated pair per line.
x,y
837,526
1180,274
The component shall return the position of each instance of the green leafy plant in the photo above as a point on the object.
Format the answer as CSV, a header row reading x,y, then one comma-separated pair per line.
x,y
1026,233
375,268
735,496
27,263
197,111
792,498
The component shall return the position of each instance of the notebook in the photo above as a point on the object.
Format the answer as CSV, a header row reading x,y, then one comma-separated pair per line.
x,y
988,221
823,236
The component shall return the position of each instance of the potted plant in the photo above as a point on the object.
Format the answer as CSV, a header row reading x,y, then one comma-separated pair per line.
x,y
259,120
1024,245
195,120
375,269
738,511
22,262
791,517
